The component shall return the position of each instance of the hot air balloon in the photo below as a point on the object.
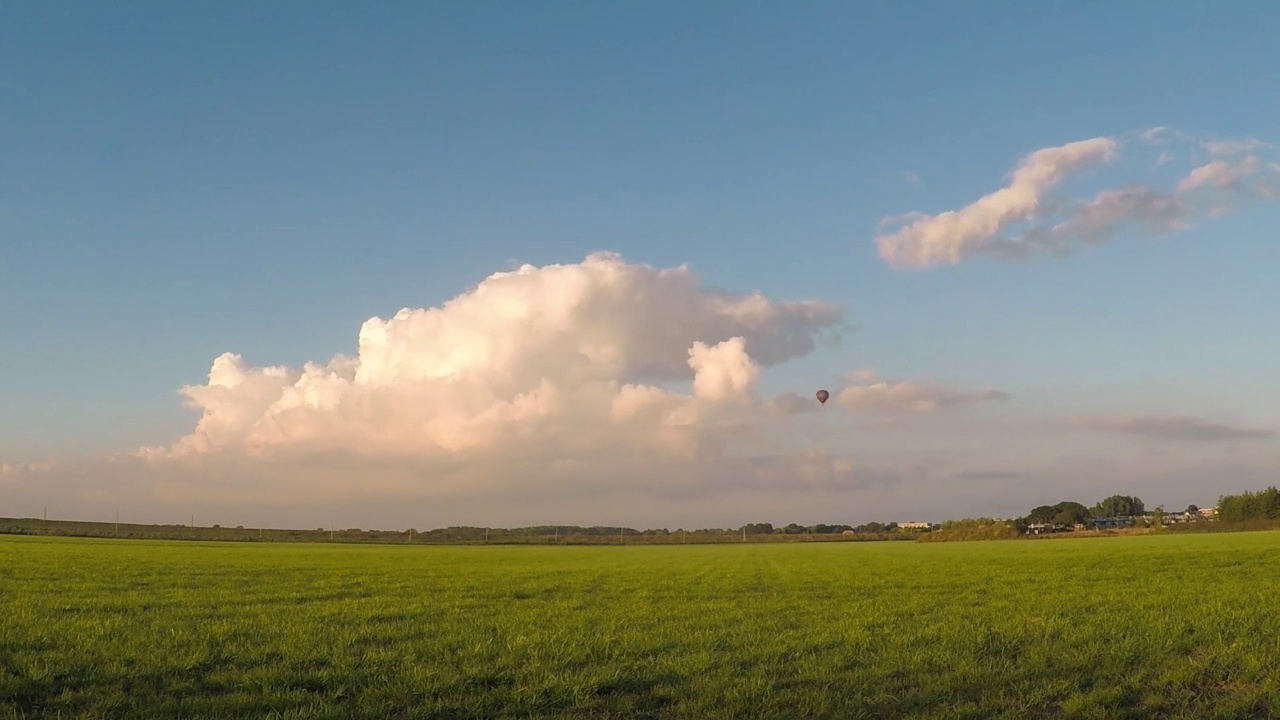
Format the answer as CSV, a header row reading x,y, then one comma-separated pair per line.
x,y
822,396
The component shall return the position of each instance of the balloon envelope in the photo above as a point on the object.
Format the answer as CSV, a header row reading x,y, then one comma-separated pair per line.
x,y
822,396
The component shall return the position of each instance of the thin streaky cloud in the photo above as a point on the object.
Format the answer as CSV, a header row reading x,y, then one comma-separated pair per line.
x,y
868,394
1026,217
1170,428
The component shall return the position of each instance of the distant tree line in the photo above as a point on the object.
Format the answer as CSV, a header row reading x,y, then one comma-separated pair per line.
x,y
1069,513
1246,507
972,529
1248,510
1063,516
1250,506
818,529
534,534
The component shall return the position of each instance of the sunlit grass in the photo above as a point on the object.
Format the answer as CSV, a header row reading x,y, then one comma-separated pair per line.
x,y
1175,626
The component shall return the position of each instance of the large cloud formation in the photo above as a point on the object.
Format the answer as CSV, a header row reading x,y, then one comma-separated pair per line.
x,y
595,392
1026,216
585,358
539,392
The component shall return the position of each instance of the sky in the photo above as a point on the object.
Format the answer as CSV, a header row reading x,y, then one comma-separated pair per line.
x,y
427,264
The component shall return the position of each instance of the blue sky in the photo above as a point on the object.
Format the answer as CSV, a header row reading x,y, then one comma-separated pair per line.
x,y
181,180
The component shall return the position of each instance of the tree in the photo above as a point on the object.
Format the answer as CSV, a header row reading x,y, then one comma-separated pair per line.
x,y
1261,505
1192,510
1119,506
1041,514
1063,513
1070,513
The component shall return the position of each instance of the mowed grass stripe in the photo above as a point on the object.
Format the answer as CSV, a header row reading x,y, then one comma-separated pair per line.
x,y
1150,626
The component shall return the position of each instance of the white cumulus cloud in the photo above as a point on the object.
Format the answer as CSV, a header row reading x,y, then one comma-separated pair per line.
x,y
1027,215
570,360
596,387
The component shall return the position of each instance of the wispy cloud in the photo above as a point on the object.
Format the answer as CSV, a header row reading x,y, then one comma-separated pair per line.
x,y
1235,147
868,394
1171,428
1025,217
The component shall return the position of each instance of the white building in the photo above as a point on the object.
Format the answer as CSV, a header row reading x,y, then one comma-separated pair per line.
x,y
914,525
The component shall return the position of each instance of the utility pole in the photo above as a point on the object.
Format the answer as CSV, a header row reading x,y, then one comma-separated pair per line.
x,y
117,522
744,533
619,535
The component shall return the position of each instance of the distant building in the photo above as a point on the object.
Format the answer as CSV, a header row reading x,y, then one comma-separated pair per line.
x,y
1209,512
1107,523
1045,528
914,525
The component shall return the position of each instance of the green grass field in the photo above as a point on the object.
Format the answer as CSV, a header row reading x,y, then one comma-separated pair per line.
x,y
1154,626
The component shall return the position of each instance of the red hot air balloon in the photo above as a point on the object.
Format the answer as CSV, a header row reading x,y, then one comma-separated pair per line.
x,y
822,396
